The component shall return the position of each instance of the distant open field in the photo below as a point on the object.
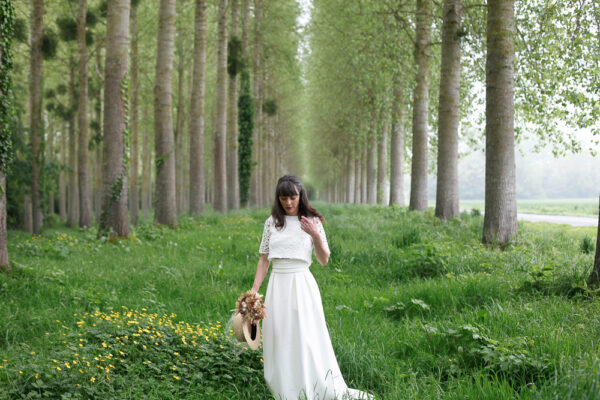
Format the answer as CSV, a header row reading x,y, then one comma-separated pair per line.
x,y
575,207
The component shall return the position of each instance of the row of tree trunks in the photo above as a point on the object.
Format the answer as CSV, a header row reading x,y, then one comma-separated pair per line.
x,y
397,144
382,157
197,183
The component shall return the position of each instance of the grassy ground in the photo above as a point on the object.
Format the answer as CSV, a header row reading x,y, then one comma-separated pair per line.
x,y
574,207
416,309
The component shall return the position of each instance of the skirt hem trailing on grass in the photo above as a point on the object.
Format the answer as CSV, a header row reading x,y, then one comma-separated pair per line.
x,y
299,362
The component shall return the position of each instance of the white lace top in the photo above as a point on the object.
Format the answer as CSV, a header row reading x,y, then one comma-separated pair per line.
x,y
290,241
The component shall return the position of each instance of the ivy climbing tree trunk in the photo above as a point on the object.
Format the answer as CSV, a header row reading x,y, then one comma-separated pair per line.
x,y
197,183
133,170
35,108
85,204
233,66
114,179
7,20
165,211
219,169
397,145
418,182
446,205
500,220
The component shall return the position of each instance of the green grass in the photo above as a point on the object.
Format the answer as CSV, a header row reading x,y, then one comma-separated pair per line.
x,y
416,309
572,207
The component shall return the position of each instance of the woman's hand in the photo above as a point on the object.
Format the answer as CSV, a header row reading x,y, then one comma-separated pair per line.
x,y
309,226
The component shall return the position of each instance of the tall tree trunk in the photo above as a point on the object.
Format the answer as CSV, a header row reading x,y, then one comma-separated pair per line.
x,y
27,214
500,220
446,204
165,212
4,261
357,178
382,156
594,278
197,182
146,166
50,144
85,204
364,193
418,183
62,184
220,172
255,181
233,184
114,179
35,108
351,178
372,166
99,146
134,202
179,127
73,205
397,145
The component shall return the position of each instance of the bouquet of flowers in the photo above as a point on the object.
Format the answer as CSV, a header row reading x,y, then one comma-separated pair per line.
x,y
251,306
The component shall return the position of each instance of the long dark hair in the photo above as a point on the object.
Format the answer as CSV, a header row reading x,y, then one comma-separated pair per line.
x,y
290,185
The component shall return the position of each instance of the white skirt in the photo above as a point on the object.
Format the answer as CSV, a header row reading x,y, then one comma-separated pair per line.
x,y
299,361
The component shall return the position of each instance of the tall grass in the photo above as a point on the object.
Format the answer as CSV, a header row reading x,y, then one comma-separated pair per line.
x,y
416,308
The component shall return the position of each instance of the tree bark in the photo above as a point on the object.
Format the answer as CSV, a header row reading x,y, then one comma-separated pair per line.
x,y
27,214
165,211
220,171
133,169
446,205
594,278
4,260
257,92
197,183
85,204
99,146
35,109
372,166
50,144
73,205
147,167
397,145
351,179
233,183
500,220
62,184
114,179
363,161
357,178
180,127
382,157
418,183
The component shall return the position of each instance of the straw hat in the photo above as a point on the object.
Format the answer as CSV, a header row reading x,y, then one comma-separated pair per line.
x,y
246,332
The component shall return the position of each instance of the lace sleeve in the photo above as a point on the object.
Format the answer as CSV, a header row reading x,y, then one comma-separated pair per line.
x,y
322,233
266,236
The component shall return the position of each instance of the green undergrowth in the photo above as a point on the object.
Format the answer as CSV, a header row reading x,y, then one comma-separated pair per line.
x,y
416,308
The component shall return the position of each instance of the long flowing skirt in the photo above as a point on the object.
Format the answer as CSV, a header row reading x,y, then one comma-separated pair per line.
x,y
299,362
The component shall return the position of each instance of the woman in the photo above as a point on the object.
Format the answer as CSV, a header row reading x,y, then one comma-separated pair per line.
x,y
298,357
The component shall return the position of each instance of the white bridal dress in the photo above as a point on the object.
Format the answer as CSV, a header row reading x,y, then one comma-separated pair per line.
x,y
299,362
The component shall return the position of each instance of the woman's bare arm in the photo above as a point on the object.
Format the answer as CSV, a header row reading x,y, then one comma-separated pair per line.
x,y
261,272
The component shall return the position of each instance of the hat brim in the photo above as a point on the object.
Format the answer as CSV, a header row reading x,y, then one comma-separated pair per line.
x,y
246,332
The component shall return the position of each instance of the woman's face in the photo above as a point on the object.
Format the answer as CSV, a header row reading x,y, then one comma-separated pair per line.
x,y
290,203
